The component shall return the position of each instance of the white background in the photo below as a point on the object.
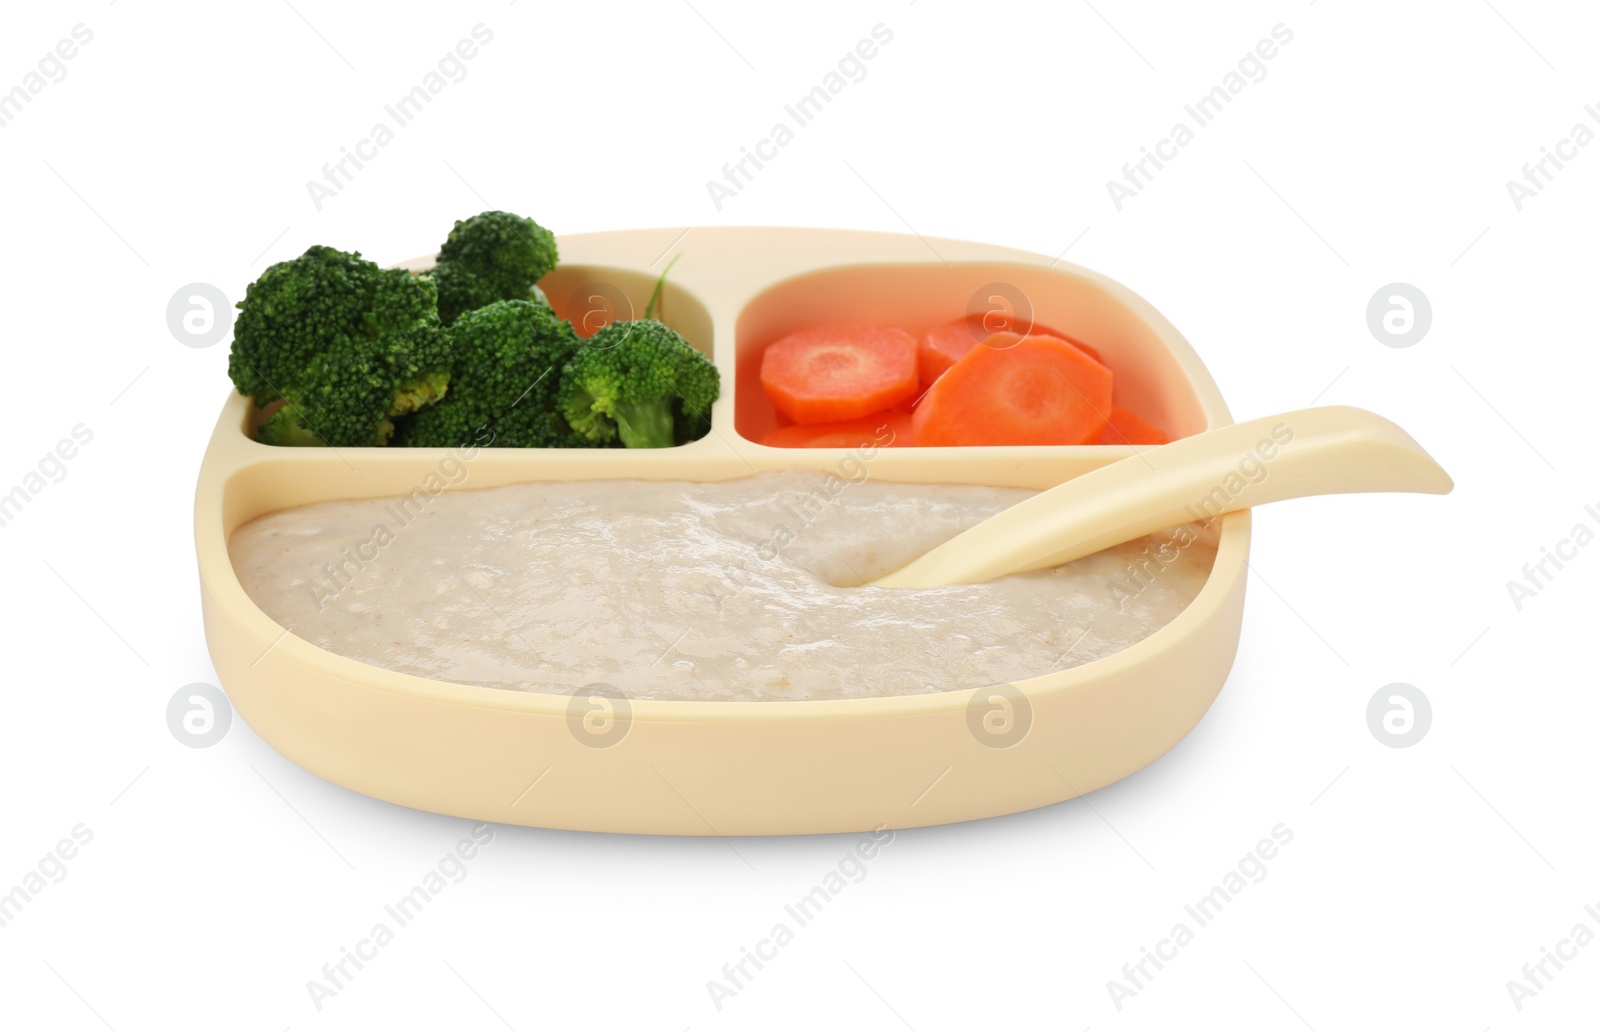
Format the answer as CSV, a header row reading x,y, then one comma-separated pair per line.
x,y
1376,149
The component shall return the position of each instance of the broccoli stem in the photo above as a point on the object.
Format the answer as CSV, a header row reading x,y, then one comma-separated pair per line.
x,y
423,391
645,424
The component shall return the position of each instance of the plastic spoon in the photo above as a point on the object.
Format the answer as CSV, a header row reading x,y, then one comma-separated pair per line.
x,y
1315,451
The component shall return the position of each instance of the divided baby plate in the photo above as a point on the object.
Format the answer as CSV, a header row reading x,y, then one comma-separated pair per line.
x,y
739,768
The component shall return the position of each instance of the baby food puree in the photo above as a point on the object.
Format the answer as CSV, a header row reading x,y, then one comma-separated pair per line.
x,y
690,591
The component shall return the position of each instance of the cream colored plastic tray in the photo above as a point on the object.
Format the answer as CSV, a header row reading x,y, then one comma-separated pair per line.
x,y
738,768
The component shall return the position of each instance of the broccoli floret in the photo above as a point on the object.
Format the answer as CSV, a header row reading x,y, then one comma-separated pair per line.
x,y
493,256
639,382
345,345
508,357
391,376
282,429
460,290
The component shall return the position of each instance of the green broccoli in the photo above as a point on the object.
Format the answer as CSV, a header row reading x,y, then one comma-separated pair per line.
x,y
640,382
508,357
493,256
345,345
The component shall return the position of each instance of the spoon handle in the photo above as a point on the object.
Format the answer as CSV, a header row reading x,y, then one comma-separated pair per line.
x,y
1326,450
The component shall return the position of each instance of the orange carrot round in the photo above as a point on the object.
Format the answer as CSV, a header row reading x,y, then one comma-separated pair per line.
x,y
826,374
1123,427
944,345
1016,390
890,429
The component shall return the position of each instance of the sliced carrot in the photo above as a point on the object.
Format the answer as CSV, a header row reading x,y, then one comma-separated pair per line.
x,y
1080,345
1123,427
944,345
826,374
883,430
1032,390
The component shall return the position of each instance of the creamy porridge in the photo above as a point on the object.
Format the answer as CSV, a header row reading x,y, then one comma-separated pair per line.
x,y
674,590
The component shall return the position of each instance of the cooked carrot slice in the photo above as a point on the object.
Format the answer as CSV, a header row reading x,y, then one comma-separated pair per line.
x,y
1123,427
887,429
826,374
1016,390
943,346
